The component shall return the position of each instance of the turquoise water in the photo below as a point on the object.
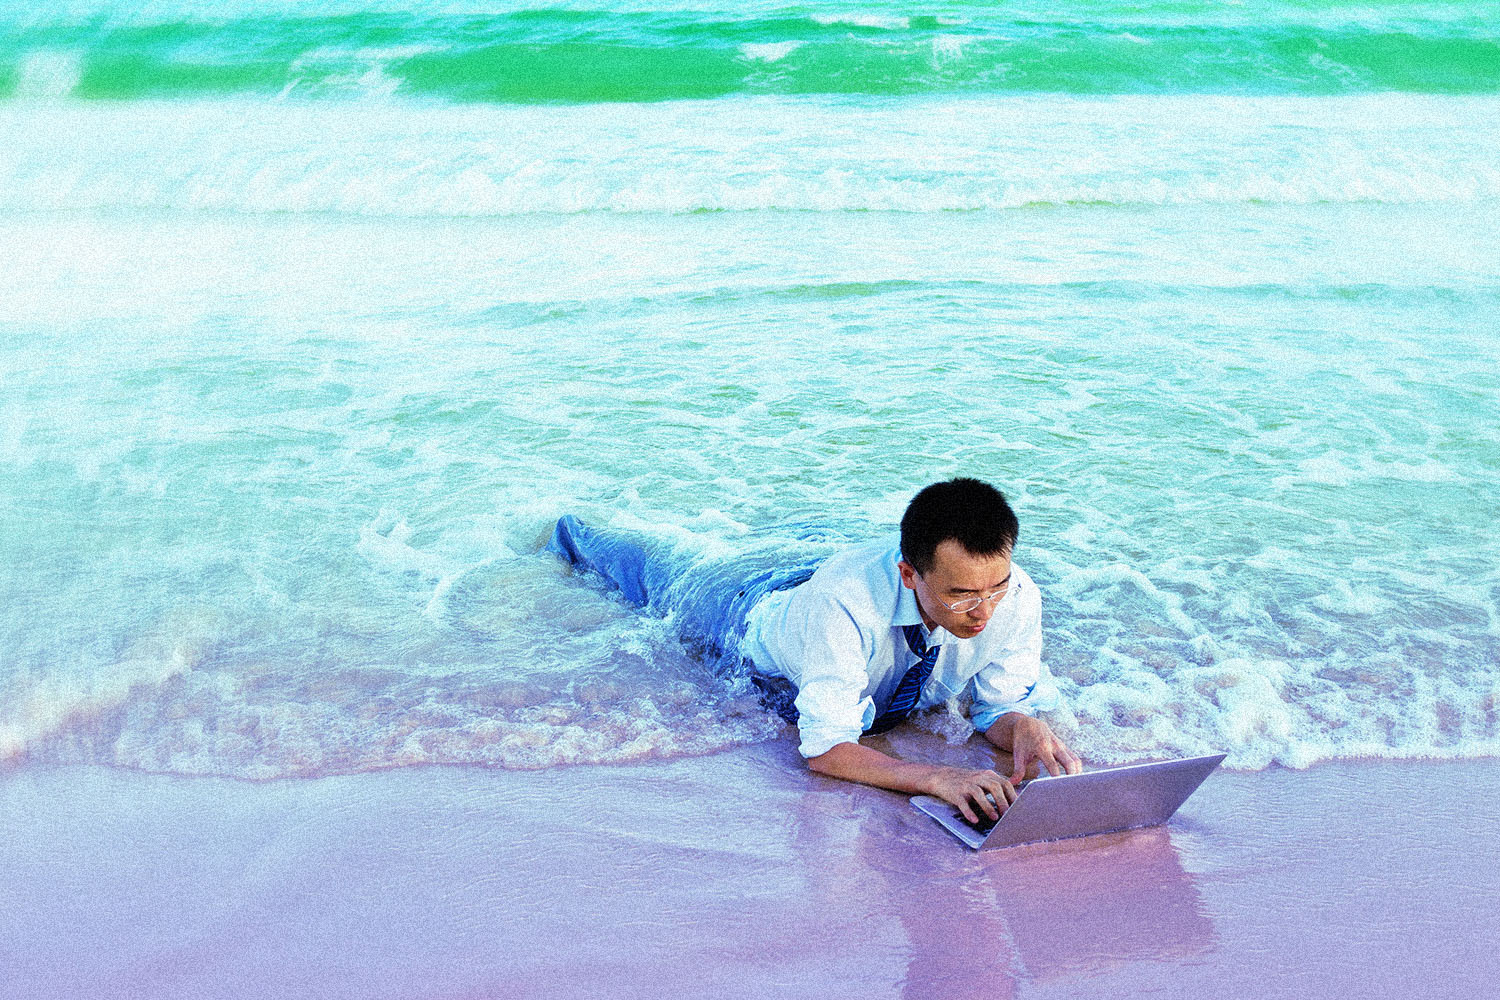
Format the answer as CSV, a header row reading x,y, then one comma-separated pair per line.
x,y
313,320
646,52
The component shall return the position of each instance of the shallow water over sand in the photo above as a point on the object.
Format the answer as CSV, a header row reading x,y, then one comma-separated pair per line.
x,y
462,882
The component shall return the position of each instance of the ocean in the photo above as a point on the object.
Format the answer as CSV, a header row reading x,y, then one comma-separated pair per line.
x,y
315,317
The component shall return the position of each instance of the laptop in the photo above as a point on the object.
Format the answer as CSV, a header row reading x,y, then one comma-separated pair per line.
x,y
1077,805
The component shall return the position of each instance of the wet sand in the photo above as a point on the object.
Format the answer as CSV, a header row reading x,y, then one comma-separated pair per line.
x,y
737,875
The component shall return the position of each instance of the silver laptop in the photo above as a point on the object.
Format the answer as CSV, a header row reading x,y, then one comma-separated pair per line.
x,y
1076,805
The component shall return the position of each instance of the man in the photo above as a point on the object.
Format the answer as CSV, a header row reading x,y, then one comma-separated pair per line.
x,y
876,633
885,629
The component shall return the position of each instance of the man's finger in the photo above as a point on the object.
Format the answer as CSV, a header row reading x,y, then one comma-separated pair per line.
x,y
1022,759
989,807
1005,796
1001,790
1053,767
1070,760
962,805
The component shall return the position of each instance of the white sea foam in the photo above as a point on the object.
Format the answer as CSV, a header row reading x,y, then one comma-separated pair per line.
x,y
386,542
1343,599
1009,154
362,72
889,22
48,75
1097,588
769,52
1275,711
950,48
1334,469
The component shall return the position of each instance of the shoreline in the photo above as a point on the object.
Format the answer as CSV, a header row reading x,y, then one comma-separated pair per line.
x,y
734,875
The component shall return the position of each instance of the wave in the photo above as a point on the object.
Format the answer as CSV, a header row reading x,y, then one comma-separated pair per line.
x,y
36,708
572,56
392,190
1013,154
1123,290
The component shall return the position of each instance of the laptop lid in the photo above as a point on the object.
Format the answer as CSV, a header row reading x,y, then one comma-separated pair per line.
x,y
1076,805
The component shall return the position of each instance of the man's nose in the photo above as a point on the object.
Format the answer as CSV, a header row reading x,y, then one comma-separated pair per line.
x,y
983,612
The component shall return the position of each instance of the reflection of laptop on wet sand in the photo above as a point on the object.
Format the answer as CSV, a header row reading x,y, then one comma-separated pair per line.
x,y
1075,805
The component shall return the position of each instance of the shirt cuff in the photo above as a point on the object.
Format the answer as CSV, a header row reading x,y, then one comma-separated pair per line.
x,y
819,739
1039,697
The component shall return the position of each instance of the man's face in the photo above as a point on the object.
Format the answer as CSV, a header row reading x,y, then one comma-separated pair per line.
x,y
957,575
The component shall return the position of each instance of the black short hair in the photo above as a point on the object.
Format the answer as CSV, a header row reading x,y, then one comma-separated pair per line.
x,y
971,513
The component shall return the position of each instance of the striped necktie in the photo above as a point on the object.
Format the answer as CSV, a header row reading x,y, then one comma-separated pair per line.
x,y
910,688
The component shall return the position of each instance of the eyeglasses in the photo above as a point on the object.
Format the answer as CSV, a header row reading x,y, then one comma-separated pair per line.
x,y
970,603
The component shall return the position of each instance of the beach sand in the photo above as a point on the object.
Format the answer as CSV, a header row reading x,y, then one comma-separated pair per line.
x,y
736,875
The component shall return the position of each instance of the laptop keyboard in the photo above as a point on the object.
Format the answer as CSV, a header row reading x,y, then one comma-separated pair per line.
x,y
985,824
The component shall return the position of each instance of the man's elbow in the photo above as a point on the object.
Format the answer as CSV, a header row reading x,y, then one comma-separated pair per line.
x,y
832,761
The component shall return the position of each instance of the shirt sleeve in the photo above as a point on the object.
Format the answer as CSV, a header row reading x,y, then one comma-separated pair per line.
x,y
1016,681
832,707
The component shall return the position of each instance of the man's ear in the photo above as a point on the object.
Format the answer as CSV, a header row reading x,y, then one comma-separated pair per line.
x,y
908,574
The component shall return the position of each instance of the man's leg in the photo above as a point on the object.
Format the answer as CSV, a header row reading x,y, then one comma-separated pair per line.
x,y
709,597
619,558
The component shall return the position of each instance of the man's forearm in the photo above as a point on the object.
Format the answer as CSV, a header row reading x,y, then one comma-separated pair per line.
x,y
855,762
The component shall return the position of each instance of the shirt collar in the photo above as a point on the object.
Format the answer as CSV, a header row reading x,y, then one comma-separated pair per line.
x,y
907,612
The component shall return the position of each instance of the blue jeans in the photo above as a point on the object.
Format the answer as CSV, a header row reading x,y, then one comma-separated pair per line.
x,y
709,597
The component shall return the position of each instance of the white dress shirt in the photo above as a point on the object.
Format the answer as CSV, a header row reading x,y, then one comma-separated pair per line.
x,y
838,638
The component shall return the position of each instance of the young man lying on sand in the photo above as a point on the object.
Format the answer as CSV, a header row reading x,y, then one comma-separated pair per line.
x,y
880,631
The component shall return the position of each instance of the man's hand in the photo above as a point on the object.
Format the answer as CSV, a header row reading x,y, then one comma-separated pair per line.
x,y
1031,741
964,789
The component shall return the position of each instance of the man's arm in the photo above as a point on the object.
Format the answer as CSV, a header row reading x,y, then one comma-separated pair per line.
x,y
966,790
1031,740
